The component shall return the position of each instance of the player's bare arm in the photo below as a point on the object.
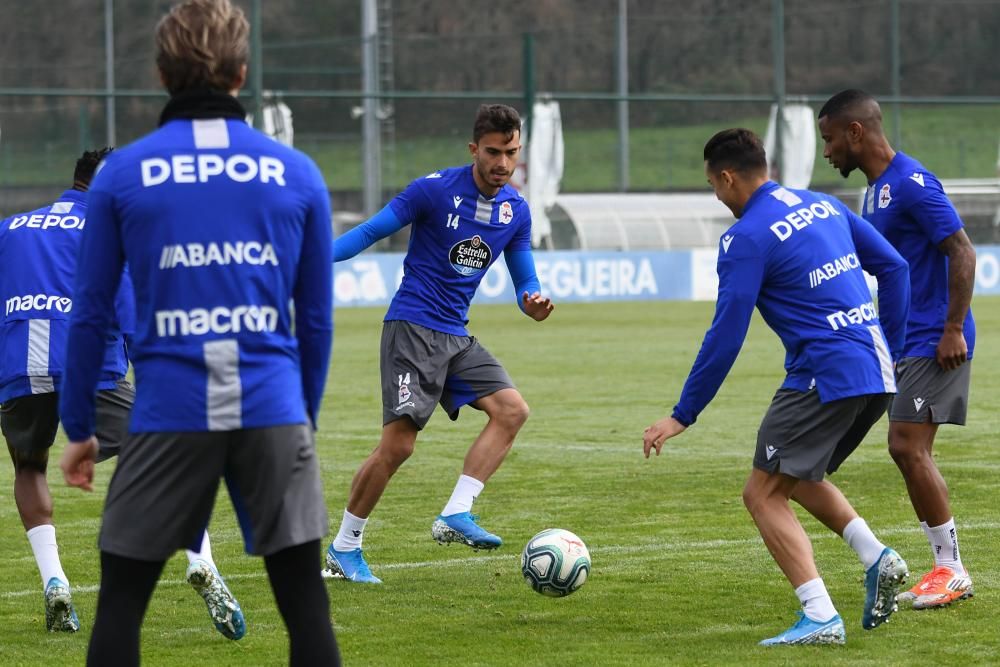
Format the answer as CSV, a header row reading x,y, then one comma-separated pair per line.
x,y
952,350
536,306
654,436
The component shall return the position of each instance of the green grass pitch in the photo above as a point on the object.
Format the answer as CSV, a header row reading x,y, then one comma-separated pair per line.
x,y
679,575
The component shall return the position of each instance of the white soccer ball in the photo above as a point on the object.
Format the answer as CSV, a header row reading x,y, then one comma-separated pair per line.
x,y
555,562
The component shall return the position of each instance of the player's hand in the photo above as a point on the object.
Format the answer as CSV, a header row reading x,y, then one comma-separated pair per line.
x,y
77,463
654,436
536,307
952,350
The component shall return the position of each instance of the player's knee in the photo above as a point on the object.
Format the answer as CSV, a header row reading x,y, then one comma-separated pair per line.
x,y
34,462
513,412
395,453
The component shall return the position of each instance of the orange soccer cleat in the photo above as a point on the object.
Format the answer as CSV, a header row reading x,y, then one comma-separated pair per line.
x,y
938,588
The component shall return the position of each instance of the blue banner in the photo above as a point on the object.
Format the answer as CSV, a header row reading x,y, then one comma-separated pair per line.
x,y
371,279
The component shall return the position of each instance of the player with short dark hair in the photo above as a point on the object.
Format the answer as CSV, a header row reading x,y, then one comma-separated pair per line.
x,y
798,257
907,204
223,229
462,219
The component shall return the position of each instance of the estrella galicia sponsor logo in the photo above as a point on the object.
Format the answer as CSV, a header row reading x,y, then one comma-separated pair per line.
x,y
207,254
831,270
470,256
219,320
30,302
864,313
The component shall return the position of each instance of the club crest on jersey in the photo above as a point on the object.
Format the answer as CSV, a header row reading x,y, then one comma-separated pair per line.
x,y
470,256
506,213
884,197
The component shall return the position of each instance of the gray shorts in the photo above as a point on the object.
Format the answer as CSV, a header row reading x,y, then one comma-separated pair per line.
x,y
928,393
422,367
163,491
30,423
806,439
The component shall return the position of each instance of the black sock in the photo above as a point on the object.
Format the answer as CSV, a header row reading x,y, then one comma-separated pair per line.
x,y
126,587
300,592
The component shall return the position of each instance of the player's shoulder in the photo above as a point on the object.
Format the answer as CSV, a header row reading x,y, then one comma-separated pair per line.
x,y
908,176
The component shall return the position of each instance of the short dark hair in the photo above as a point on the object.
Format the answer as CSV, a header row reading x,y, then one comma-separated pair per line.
x,y
845,102
737,149
86,165
496,118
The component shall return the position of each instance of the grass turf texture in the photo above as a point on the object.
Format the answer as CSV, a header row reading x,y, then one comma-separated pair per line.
x,y
679,575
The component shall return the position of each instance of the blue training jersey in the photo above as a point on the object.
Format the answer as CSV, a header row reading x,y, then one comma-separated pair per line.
x,y
798,256
222,228
909,207
38,254
455,237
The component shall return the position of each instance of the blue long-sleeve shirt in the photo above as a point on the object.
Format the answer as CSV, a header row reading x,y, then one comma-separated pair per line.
x,y
223,229
38,259
457,235
798,257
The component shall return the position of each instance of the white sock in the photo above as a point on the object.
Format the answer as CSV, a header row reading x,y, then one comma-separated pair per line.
x,y
944,542
816,602
860,537
204,553
352,531
463,496
43,544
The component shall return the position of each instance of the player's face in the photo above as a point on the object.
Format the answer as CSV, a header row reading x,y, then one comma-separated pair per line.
x,y
494,160
722,185
836,147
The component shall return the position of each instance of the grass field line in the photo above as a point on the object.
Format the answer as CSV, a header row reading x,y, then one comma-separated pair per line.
x,y
676,548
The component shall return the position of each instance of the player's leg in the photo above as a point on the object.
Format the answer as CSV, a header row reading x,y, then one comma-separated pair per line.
x,y
302,600
114,408
344,556
413,362
929,396
127,585
29,425
274,482
476,378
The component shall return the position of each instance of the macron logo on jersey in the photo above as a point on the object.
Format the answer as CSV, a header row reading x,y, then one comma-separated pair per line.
x,y
727,241
207,254
918,178
204,166
220,320
27,302
802,218
864,313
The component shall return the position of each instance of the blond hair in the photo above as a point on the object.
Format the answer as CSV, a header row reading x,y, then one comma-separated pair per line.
x,y
202,44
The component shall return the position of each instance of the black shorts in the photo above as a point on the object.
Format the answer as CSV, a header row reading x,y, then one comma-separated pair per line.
x,y
928,393
163,491
804,438
30,423
421,367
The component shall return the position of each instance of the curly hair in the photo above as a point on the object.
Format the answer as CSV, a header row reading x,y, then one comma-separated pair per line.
x,y
202,44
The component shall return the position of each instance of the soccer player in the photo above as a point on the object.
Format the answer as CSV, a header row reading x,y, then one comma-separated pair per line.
x,y
38,251
907,204
222,229
798,256
462,219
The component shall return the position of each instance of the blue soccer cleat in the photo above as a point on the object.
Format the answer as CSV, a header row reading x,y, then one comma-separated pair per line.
x,y
462,528
60,616
808,631
882,582
349,565
225,611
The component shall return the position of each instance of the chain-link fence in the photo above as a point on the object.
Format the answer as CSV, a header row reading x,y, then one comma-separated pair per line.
x,y
693,67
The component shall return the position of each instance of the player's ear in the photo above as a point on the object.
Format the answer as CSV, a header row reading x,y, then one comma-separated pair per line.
x,y
855,131
473,148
